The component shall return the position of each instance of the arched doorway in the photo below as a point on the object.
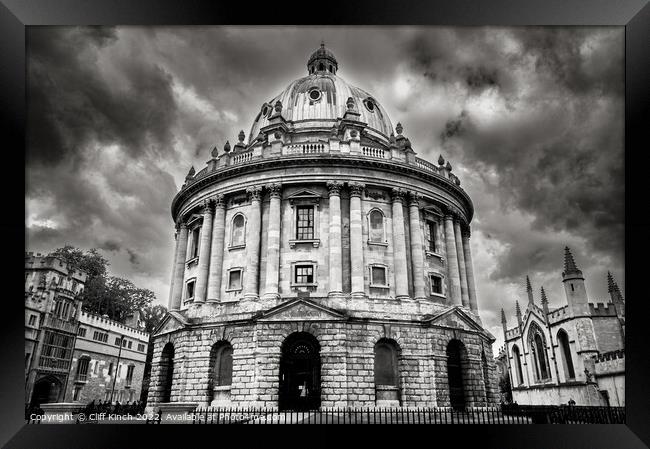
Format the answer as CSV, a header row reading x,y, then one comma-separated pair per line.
x,y
300,373
455,350
46,390
167,372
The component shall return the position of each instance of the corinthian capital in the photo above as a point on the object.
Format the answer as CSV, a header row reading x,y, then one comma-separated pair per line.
x,y
206,206
275,189
255,193
334,187
219,200
356,188
398,194
414,198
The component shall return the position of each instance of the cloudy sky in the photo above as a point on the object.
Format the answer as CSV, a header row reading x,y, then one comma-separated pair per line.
x,y
530,118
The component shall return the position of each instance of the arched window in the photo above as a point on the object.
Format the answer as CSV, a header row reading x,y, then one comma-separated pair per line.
x,y
166,372
376,232
238,231
222,368
519,374
386,373
321,67
537,344
565,348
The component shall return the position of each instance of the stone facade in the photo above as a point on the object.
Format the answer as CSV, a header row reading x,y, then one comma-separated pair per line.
x,y
324,229
107,376
580,354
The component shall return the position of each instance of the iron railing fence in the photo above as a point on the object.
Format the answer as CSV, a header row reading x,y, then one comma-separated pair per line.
x,y
440,415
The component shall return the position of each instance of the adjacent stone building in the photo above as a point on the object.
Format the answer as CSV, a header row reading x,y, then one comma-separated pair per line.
x,y
52,308
571,352
72,355
319,262
108,361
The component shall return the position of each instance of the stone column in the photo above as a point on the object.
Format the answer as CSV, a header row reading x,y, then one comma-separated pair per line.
x,y
216,249
452,261
417,253
180,268
253,234
171,278
271,289
399,246
464,296
204,253
471,287
356,239
335,246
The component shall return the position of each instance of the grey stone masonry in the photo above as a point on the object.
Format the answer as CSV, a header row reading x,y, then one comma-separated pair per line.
x,y
464,295
179,271
469,268
399,245
216,250
253,231
452,261
335,247
204,253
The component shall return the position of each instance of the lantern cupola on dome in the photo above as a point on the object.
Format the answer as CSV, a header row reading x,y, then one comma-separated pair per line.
x,y
322,60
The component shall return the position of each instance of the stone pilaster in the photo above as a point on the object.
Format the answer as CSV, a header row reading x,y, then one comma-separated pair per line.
x,y
469,268
216,249
453,274
417,253
356,239
204,253
180,268
253,237
271,290
399,246
464,295
335,246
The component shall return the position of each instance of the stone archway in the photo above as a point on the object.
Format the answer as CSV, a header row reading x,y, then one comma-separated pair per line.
x,y
46,390
166,372
300,373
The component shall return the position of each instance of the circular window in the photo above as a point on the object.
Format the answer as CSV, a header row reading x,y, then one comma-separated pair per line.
x,y
314,94
265,110
370,105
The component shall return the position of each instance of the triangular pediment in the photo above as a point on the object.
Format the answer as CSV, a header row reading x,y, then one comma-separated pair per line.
x,y
300,310
532,316
458,319
304,193
171,322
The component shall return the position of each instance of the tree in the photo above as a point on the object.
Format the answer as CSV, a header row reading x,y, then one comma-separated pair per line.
x,y
103,294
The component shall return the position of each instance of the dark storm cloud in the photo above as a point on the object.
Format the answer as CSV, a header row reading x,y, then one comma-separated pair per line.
x,y
557,149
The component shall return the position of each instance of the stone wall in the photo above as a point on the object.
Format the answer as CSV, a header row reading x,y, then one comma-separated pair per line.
x,y
347,363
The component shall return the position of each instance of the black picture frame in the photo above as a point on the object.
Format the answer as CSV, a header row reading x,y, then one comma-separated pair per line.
x,y
634,15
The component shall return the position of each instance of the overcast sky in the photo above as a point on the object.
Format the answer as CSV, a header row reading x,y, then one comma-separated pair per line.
x,y
531,120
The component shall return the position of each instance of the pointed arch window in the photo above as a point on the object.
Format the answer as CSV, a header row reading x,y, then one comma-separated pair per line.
x,y
565,349
537,345
516,356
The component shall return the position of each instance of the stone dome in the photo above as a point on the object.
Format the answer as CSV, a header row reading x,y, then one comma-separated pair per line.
x,y
319,100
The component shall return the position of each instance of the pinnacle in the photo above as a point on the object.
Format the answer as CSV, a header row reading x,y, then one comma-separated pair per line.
x,y
569,263
528,286
544,298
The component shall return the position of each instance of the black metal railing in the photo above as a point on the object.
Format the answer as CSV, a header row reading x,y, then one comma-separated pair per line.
x,y
440,415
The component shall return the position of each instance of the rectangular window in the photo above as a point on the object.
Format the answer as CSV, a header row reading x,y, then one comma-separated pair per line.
x,y
378,276
141,347
81,332
117,341
130,343
436,284
189,293
124,343
430,231
304,274
129,375
96,367
305,223
82,369
32,320
110,369
234,280
100,336
196,232
77,390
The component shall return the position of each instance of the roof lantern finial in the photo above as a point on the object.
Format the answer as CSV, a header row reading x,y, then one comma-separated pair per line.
x,y
322,61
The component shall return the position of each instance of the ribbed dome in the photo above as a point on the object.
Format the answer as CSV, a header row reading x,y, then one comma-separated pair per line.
x,y
319,100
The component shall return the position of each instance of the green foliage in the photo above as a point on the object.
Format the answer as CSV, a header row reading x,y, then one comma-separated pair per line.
x,y
103,294
152,316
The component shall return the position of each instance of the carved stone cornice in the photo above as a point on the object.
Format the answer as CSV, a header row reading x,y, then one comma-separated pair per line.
x,y
285,162
356,188
275,189
219,200
254,193
397,195
334,188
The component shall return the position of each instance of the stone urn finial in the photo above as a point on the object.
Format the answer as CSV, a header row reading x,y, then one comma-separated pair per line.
x,y
441,160
226,147
448,166
215,152
350,103
241,136
278,107
399,128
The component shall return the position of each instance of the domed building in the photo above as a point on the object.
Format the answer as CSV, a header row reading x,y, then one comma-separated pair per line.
x,y
320,263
